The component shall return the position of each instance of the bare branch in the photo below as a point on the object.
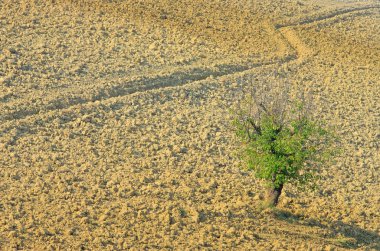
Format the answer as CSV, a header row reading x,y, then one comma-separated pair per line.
x,y
253,124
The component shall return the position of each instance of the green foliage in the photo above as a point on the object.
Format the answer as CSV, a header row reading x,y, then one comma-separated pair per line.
x,y
283,151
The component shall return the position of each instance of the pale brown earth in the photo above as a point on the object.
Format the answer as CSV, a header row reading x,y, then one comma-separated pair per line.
x,y
115,123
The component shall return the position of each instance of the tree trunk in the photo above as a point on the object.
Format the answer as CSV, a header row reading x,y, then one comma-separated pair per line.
x,y
273,194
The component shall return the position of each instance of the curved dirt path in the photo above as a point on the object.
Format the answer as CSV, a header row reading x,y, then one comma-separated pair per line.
x,y
141,165
302,51
284,35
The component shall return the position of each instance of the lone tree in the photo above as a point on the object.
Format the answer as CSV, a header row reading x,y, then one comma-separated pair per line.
x,y
282,143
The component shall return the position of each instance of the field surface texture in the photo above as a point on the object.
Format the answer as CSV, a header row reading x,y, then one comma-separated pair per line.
x,y
115,123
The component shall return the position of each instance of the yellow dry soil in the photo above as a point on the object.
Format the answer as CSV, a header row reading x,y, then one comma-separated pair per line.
x,y
115,128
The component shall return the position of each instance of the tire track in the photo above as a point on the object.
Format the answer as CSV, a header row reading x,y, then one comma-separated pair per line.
x,y
141,84
286,37
303,52
323,17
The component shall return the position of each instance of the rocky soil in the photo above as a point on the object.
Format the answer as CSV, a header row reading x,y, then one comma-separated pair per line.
x,y
115,123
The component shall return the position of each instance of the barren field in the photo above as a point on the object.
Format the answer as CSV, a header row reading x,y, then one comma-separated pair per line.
x,y
115,123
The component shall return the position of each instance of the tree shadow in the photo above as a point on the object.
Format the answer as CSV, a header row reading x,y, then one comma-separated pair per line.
x,y
345,235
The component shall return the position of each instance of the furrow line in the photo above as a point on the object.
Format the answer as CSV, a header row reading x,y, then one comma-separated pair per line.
x,y
180,78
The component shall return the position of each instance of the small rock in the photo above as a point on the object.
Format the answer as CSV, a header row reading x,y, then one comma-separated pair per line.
x,y
152,46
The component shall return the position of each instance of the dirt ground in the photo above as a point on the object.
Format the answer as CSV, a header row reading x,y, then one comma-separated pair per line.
x,y
115,123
